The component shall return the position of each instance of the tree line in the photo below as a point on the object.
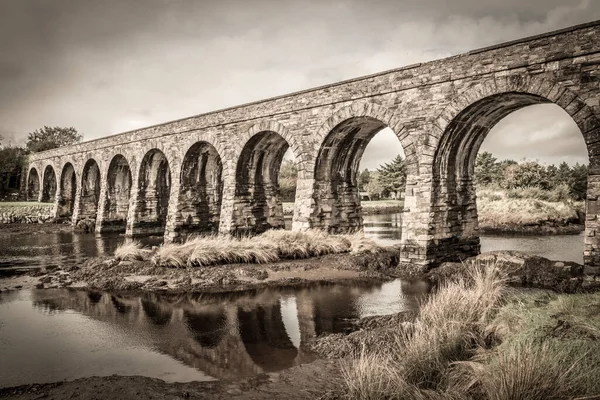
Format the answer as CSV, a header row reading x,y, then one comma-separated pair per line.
x,y
12,157
389,179
569,181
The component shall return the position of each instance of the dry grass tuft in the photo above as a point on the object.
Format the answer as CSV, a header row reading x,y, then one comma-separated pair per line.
x,y
446,331
360,244
474,341
131,250
529,370
269,247
371,376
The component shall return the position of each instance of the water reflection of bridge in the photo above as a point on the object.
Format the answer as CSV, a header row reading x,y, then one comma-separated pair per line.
x,y
223,336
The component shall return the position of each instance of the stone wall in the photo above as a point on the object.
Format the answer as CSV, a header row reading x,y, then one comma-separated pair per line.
x,y
26,214
441,111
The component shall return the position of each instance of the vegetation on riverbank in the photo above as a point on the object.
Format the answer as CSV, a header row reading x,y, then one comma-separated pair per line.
x,y
269,247
525,209
368,207
474,339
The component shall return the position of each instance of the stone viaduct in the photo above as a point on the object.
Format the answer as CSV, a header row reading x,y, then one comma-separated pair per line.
x,y
218,171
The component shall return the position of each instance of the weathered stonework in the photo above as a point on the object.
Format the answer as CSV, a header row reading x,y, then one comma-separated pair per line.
x,y
441,111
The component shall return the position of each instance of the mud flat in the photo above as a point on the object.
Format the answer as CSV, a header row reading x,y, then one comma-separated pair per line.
x,y
112,275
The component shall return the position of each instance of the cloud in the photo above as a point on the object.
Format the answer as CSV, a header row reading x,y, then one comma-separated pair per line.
x,y
111,66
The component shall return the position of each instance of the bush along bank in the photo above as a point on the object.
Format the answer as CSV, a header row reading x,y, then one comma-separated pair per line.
x,y
527,211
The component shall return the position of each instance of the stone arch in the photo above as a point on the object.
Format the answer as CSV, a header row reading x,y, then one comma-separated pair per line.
x,y
91,183
375,112
462,127
343,140
33,184
257,200
49,184
118,192
68,191
200,189
153,193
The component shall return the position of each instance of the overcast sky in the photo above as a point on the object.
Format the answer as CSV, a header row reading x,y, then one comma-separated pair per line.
x,y
108,66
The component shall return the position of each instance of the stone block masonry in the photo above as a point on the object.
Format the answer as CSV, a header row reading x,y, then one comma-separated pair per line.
x,y
219,171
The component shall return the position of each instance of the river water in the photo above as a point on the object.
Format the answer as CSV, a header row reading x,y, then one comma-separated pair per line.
x,y
51,335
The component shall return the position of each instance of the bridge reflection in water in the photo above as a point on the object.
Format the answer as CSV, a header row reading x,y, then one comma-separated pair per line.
x,y
235,335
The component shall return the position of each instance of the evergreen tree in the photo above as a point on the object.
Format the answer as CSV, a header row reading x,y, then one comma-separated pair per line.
x,y
487,169
392,177
363,180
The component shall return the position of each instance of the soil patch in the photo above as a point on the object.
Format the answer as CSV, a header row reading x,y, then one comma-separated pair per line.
x,y
112,275
320,379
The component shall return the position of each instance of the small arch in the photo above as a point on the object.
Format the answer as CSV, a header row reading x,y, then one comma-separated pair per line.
x,y
33,185
68,191
154,189
201,189
257,203
90,190
49,185
336,197
118,193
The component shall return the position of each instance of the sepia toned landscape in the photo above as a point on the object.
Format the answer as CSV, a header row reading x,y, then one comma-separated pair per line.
x,y
217,200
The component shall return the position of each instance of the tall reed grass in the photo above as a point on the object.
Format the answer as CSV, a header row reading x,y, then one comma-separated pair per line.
x,y
473,341
269,247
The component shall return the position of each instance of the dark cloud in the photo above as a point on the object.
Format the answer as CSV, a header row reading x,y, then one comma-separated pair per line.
x,y
114,65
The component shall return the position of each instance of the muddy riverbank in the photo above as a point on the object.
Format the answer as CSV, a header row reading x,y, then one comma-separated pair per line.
x,y
321,379
107,273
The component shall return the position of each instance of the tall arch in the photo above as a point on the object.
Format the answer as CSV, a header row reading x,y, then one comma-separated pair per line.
x,y
116,208
154,189
68,191
336,196
201,189
49,185
465,124
257,203
90,190
33,185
